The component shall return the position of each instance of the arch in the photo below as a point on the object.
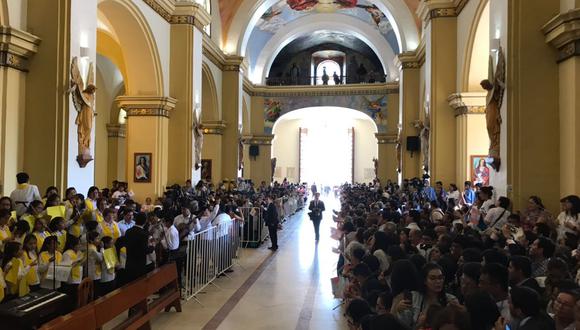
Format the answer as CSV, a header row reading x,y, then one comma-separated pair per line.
x,y
330,22
294,113
209,98
140,53
246,117
477,31
242,25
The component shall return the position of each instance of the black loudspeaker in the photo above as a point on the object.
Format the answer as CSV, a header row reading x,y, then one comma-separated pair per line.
x,y
254,150
413,143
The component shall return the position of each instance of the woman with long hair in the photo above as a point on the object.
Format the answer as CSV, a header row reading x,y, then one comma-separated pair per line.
x,y
535,212
30,259
413,308
49,255
14,270
379,246
568,219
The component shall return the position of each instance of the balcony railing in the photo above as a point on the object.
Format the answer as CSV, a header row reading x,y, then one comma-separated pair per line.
x,y
368,78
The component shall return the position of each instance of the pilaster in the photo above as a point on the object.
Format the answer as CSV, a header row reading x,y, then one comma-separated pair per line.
x,y
148,132
387,166
231,104
563,33
117,152
212,147
258,168
472,139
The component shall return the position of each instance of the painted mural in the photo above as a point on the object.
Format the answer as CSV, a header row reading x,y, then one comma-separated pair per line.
x,y
375,106
288,10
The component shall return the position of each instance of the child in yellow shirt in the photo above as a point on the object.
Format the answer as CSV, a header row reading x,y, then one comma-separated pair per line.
x,y
15,270
30,259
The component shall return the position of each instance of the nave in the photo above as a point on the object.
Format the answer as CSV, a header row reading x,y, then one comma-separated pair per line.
x,y
288,289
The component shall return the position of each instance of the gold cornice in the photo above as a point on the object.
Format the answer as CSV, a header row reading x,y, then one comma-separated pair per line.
x,y
182,12
387,138
157,106
563,33
264,140
233,63
248,86
117,130
411,59
16,47
467,103
339,90
214,127
430,9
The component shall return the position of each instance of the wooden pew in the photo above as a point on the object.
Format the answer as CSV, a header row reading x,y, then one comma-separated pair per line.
x,y
131,297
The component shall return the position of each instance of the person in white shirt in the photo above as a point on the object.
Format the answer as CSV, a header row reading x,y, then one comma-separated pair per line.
x,y
208,216
186,223
497,217
453,196
569,220
24,194
170,242
126,223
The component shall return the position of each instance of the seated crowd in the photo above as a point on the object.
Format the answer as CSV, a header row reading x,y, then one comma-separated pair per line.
x,y
107,236
420,257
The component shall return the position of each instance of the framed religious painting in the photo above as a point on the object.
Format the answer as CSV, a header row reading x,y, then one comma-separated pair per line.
x,y
206,170
480,170
142,170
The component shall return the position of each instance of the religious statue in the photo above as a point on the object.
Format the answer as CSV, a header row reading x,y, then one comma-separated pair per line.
x,y
240,153
198,140
376,165
273,163
84,102
495,87
399,147
424,135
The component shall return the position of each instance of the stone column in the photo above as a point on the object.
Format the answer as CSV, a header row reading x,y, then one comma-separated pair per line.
x,y
185,85
258,168
148,133
440,34
387,169
117,152
472,139
212,147
231,105
16,48
563,33
409,64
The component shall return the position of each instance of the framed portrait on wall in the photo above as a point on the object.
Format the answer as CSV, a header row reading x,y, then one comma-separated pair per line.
x,y
480,170
142,170
206,170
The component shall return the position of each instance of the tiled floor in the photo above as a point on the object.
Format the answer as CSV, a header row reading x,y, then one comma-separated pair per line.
x,y
289,289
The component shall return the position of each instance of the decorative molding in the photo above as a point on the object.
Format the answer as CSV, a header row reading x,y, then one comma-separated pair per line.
x,y
117,130
16,48
149,106
213,53
181,12
233,63
467,103
337,90
263,140
387,138
214,127
563,33
432,9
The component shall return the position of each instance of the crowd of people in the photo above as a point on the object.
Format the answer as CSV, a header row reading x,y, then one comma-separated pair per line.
x,y
55,241
417,256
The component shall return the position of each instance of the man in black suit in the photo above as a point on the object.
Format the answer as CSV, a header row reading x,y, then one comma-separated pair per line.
x,y
526,308
520,273
316,208
138,247
271,220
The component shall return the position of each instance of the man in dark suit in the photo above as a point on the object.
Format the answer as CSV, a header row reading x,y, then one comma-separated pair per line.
x,y
316,208
138,247
271,220
525,307
520,273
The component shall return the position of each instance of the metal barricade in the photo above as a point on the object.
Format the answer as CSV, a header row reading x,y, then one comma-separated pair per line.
x,y
209,253
254,231
279,203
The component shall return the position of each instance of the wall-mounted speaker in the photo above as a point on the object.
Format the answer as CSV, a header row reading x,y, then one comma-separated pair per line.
x,y
254,150
413,143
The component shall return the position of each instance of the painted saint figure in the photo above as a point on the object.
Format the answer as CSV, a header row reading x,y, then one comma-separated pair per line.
x,y
495,87
198,141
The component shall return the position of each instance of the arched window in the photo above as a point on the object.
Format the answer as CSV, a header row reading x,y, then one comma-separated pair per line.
x,y
328,68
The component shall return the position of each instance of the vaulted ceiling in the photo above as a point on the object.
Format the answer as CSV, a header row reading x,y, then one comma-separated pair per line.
x,y
229,8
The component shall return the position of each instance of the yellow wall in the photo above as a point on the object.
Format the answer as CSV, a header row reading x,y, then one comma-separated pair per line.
x,y
569,71
212,149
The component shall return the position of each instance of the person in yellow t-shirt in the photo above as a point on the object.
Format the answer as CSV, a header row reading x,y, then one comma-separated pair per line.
x,y
20,230
30,259
109,226
99,212
35,211
47,259
74,257
2,286
50,191
40,233
57,228
5,234
91,200
15,270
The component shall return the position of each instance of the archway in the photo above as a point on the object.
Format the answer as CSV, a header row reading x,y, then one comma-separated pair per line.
x,y
209,97
329,145
475,67
397,12
139,50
